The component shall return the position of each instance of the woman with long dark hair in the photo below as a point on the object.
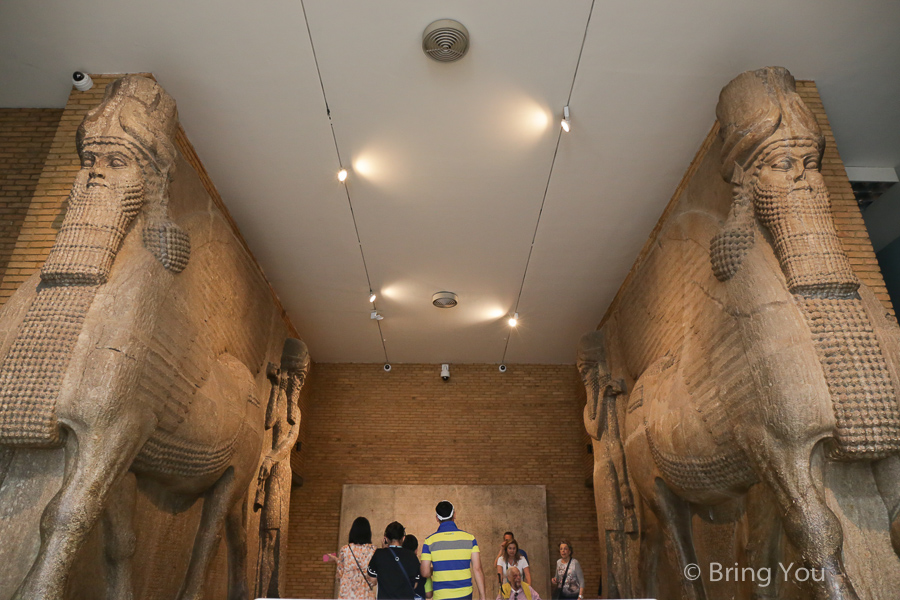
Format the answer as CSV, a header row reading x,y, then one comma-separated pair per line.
x,y
352,561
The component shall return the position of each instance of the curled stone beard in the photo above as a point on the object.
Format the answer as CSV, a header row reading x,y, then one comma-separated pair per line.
x,y
92,232
32,371
863,401
806,241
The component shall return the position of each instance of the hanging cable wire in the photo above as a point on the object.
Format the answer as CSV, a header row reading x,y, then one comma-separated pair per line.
x,y
537,224
344,183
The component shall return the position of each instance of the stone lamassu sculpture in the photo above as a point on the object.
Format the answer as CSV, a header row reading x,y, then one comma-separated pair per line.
x,y
274,481
764,359
136,349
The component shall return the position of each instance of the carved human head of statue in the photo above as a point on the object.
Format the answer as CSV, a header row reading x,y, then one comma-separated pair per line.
x,y
591,360
295,359
758,110
772,149
127,151
591,353
295,364
136,112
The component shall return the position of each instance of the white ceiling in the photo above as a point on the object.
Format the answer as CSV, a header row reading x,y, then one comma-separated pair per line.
x,y
449,162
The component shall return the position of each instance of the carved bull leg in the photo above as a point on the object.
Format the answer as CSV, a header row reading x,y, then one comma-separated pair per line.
x,y
808,522
236,532
94,462
672,512
216,505
119,537
887,478
617,456
647,585
675,518
764,549
6,456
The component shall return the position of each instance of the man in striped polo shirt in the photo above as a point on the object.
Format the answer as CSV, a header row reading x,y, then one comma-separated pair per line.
x,y
450,556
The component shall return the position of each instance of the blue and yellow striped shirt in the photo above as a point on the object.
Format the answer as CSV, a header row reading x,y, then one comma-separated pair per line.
x,y
450,551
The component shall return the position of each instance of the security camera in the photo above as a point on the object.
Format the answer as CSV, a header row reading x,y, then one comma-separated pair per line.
x,y
503,368
445,372
387,367
82,81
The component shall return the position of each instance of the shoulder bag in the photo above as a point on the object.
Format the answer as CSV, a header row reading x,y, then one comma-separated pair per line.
x,y
361,572
405,574
562,582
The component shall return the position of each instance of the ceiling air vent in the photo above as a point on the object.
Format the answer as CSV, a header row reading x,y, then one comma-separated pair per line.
x,y
445,299
445,40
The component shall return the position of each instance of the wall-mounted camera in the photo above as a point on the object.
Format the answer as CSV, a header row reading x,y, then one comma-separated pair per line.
x,y
503,368
445,372
82,81
387,367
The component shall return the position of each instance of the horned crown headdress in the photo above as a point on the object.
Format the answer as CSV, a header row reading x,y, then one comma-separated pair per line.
x,y
757,108
138,112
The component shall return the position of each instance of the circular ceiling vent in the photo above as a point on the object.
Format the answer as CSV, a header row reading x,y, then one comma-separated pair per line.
x,y
445,299
445,40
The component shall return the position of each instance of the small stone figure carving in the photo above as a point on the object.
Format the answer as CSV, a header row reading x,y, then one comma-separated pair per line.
x,y
612,491
766,357
135,349
274,480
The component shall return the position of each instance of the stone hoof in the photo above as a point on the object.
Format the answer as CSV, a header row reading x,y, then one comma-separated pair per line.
x,y
239,592
835,585
30,591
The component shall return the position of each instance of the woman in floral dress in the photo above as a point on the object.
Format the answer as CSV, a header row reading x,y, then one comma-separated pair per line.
x,y
352,561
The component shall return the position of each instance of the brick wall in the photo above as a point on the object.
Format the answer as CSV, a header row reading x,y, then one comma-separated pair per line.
x,y
26,135
364,426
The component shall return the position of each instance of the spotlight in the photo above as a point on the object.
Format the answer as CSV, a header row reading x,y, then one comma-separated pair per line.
x,y
566,124
371,296
514,320
82,81
342,175
375,316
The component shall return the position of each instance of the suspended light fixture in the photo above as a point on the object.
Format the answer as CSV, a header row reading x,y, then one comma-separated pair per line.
x,y
371,296
342,175
375,316
566,124
514,320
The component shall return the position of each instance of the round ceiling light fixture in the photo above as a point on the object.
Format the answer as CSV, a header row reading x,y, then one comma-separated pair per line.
x,y
445,299
445,40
